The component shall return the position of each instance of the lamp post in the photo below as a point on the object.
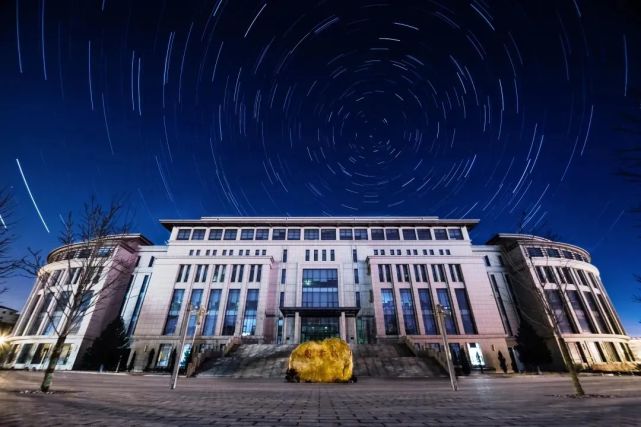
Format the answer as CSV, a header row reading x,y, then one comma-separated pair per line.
x,y
440,314
183,332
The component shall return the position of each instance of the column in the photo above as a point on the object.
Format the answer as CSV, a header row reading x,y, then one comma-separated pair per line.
x,y
343,325
296,328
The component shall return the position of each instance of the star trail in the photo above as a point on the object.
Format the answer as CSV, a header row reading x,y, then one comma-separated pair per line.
x,y
503,111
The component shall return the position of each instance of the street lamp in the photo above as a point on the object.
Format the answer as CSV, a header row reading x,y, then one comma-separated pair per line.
x,y
179,355
440,315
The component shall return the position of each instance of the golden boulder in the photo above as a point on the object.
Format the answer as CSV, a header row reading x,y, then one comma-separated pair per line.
x,y
324,361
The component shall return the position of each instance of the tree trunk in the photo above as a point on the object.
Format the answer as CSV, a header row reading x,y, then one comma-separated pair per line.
x,y
570,366
53,362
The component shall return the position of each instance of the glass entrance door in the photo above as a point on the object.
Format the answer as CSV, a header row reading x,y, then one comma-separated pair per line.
x,y
318,328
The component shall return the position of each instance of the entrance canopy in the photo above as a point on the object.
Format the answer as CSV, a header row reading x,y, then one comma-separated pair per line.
x,y
320,311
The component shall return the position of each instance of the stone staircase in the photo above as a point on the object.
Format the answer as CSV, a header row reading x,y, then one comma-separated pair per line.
x,y
393,360
251,361
385,360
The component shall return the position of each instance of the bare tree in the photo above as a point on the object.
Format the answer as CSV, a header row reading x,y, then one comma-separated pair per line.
x,y
93,272
8,264
550,322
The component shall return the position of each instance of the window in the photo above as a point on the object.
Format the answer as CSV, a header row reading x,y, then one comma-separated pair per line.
x,y
55,318
423,269
438,272
378,234
487,261
320,287
346,234
499,300
183,273
582,277
568,275
553,253
560,313
360,234
407,306
151,261
534,252
354,255
198,234
215,234
183,234
469,327
603,327
194,304
409,234
328,234
311,234
392,234
444,300
255,271
293,234
25,354
284,255
440,234
283,276
251,308
104,251
35,326
501,263
263,252
455,233
356,276
219,273
138,306
549,274
429,321
211,315
580,312
84,306
247,234
230,234
237,273
324,255
399,276
278,234
174,312
164,353
456,272
424,234
315,254
389,312
358,299
231,312
262,234
307,251
332,255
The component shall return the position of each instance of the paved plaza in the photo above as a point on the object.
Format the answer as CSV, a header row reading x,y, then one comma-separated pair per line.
x,y
107,399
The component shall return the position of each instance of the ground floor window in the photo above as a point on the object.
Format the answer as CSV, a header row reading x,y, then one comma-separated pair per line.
x,y
25,354
409,317
231,312
164,353
389,312
251,308
41,353
428,312
318,328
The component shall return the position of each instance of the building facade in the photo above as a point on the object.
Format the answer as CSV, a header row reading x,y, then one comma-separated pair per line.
x,y
285,280
8,319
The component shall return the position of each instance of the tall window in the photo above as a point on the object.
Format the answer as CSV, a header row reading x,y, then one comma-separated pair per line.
x,y
56,314
389,312
469,327
354,255
174,311
251,308
603,327
409,317
201,273
580,312
284,255
444,300
456,272
501,304
84,305
231,312
332,255
219,273
183,273
35,326
356,275
27,316
320,287
438,272
194,304
428,312
283,276
560,313
211,316
138,306
307,251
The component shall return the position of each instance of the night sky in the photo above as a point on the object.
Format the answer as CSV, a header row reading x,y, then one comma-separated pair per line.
x,y
507,111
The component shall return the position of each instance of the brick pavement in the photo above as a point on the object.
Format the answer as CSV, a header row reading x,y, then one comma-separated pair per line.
x,y
106,399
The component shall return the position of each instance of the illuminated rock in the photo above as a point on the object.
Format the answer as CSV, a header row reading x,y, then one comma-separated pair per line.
x,y
324,361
